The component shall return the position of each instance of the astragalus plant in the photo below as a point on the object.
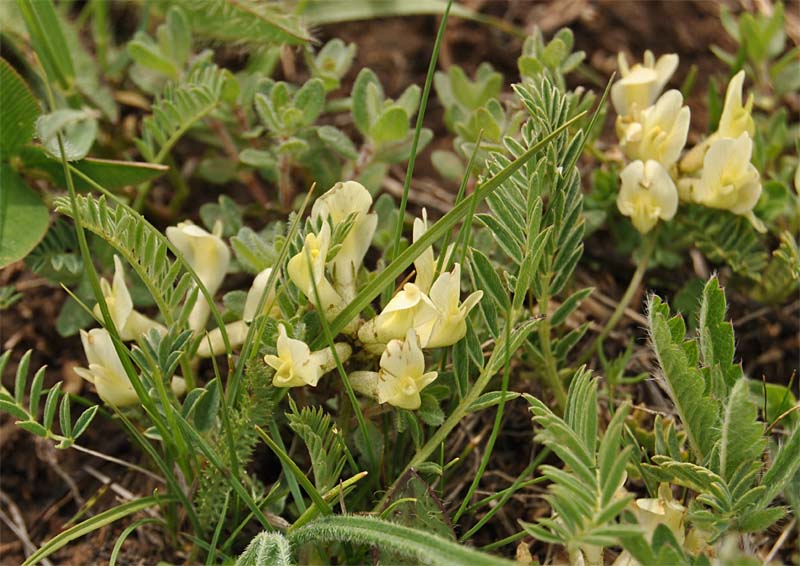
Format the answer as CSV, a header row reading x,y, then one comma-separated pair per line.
x,y
321,330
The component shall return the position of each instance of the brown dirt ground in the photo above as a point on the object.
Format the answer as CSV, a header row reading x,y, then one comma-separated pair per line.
x,y
43,489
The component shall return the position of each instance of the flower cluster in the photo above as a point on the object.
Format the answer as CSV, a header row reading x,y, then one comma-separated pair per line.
x,y
652,129
427,313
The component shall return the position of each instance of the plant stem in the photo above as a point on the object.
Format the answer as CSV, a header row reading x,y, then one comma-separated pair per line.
x,y
550,373
647,247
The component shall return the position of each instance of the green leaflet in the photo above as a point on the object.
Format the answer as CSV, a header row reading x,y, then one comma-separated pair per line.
x,y
741,435
23,217
716,337
267,548
685,384
19,111
412,543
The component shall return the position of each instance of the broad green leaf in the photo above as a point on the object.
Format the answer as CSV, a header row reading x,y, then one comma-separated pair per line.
x,y
358,95
716,334
325,12
108,173
23,217
741,435
78,129
337,140
310,100
391,125
48,40
685,384
245,21
147,54
18,111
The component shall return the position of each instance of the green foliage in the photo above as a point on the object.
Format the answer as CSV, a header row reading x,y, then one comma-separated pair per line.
x,y
181,106
267,548
720,420
77,129
235,436
553,59
27,414
142,246
19,111
244,21
762,40
23,217
685,383
585,499
324,442
781,277
48,40
331,62
723,237
411,543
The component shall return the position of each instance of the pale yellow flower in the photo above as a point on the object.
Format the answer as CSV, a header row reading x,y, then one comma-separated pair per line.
x,y
728,180
213,344
449,324
315,250
338,204
130,323
647,194
409,308
208,256
736,118
106,372
663,510
641,84
296,365
425,263
659,133
402,375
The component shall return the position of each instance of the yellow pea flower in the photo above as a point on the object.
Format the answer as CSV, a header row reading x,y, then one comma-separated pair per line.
x,y
402,375
647,194
659,133
208,256
106,372
736,119
449,324
641,84
130,323
728,180
315,249
296,365
338,204
409,308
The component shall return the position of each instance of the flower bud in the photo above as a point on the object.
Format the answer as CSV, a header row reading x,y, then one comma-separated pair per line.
x,y
208,256
338,204
130,323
